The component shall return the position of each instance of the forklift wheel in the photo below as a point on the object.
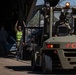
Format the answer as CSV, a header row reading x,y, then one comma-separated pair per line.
x,y
46,64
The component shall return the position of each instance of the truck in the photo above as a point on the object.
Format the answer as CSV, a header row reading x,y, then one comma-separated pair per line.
x,y
55,52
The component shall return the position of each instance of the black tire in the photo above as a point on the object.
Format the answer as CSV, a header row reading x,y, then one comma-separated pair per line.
x,y
46,64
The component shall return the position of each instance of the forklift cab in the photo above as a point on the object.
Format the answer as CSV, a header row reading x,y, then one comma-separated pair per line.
x,y
49,21
62,30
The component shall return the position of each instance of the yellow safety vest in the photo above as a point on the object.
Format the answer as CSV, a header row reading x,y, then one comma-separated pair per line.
x,y
19,35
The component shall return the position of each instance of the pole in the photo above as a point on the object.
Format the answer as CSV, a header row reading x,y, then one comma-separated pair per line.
x,y
51,20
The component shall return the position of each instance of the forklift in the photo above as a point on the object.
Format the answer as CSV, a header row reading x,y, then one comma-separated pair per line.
x,y
55,52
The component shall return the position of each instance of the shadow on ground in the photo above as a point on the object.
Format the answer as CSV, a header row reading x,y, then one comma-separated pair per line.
x,y
19,68
24,69
39,71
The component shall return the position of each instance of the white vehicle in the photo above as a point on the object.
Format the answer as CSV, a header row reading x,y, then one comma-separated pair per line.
x,y
55,51
11,44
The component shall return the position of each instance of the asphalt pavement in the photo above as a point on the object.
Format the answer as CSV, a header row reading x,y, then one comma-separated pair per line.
x,y
10,66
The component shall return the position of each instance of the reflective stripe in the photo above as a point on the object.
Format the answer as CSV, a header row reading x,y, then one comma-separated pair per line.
x,y
19,35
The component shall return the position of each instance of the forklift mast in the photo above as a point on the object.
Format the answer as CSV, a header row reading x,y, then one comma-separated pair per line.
x,y
48,18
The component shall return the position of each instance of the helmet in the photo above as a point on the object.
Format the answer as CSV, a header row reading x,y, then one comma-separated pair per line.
x,y
62,16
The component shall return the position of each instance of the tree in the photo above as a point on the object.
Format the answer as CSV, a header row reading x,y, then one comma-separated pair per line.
x,y
35,20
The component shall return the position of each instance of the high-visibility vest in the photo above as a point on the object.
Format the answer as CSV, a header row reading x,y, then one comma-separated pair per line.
x,y
19,35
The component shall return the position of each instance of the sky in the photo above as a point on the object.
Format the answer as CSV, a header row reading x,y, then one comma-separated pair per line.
x,y
39,2
72,2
